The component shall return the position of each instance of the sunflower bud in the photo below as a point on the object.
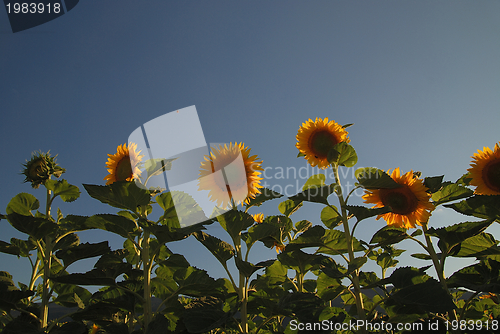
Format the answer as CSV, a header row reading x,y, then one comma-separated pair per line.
x,y
40,168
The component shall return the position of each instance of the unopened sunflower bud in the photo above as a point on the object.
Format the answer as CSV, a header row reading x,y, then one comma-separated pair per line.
x,y
40,168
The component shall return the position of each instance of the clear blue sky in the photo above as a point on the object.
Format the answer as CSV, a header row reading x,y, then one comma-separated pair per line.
x,y
420,80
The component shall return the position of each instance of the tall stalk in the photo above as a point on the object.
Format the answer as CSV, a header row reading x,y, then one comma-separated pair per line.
x,y
350,249
147,309
47,259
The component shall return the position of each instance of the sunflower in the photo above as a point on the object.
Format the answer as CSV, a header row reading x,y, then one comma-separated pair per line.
x,y
258,217
485,171
123,165
236,183
410,203
315,139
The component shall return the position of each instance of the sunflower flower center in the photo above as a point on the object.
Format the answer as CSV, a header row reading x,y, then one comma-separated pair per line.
x,y
36,169
491,174
124,169
321,142
401,200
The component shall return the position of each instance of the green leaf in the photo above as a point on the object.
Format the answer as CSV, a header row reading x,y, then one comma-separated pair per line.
x,y
23,204
429,296
329,288
9,294
25,246
263,230
330,216
455,234
480,277
120,194
112,223
302,226
373,178
355,264
222,250
247,269
314,194
35,227
157,166
301,261
7,248
421,256
165,233
480,245
481,206
289,206
264,196
234,222
97,276
433,183
180,207
82,251
69,240
317,180
335,243
450,192
205,314
343,154
312,237
63,189
361,212
389,235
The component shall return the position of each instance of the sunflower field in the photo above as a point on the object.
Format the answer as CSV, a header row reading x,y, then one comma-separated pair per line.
x,y
314,284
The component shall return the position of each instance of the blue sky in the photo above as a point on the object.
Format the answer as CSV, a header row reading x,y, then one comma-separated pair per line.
x,y
420,80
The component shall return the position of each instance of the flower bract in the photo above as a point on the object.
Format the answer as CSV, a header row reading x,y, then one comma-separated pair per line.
x,y
40,168
124,164
316,138
238,182
410,203
485,171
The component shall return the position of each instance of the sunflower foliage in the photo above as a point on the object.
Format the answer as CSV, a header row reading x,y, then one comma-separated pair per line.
x,y
314,281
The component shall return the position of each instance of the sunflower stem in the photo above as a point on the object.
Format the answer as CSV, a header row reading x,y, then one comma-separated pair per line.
x,y
439,267
47,257
350,249
148,313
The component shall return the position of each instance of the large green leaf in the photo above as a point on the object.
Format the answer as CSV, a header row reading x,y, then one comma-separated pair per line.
x,y
7,248
261,231
317,180
247,269
222,250
450,192
9,294
480,206
430,296
301,261
97,276
389,235
33,226
120,194
112,223
82,251
373,178
204,314
433,183
455,234
234,222
157,166
196,283
335,243
63,189
480,245
289,206
343,154
318,194
329,288
180,207
480,277
23,204
312,237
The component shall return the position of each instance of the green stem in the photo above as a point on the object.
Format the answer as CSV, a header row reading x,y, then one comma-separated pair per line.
x,y
355,275
146,263
242,291
438,266
47,258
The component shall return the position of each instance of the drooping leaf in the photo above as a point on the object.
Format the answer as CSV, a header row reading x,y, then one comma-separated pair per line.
x,y
23,204
121,194
317,180
33,226
222,250
67,192
480,245
101,276
330,216
373,178
260,231
7,248
343,154
314,194
247,269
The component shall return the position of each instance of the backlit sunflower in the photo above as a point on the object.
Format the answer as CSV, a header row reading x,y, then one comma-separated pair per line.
x,y
315,139
237,182
485,171
410,203
123,165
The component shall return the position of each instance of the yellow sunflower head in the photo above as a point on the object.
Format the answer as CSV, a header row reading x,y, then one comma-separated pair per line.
x,y
410,203
124,164
485,171
316,138
236,183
